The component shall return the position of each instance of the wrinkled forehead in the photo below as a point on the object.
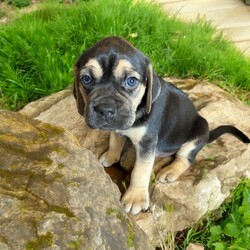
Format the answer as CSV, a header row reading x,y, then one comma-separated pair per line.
x,y
112,56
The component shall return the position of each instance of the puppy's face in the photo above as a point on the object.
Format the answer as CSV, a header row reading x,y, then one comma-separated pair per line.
x,y
112,83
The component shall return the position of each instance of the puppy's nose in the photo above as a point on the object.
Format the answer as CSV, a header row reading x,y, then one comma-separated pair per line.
x,y
105,111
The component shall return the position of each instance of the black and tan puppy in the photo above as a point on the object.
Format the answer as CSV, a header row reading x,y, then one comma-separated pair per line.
x,y
116,89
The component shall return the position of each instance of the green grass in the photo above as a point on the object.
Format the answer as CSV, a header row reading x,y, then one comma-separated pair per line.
x,y
38,50
231,229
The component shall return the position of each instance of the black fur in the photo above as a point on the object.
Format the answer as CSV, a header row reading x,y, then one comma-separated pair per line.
x,y
173,119
169,121
215,133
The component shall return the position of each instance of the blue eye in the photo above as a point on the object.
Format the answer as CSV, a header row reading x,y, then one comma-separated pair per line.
x,y
131,82
86,80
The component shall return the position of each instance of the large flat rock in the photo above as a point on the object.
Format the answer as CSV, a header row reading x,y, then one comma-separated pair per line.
x,y
55,195
219,166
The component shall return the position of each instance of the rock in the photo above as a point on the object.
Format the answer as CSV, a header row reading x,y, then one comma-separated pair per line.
x,y
45,103
218,168
62,112
55,195
193,246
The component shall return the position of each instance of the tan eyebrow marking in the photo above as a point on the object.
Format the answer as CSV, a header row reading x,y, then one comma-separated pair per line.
x,y
124,65
95,68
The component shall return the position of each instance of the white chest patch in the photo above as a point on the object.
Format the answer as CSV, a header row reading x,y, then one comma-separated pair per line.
x,y
135,134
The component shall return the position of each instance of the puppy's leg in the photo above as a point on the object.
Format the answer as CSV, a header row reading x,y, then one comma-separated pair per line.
x,y
116,143
184,158
136,197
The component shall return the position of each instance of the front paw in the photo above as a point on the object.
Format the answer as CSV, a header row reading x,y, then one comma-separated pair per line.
x,y
108,159
166,175
135,200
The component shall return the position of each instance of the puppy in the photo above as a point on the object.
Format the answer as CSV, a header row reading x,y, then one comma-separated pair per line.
x,y
116,89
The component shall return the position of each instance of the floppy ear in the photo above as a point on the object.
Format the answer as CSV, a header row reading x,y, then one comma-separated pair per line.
x,y
153,88
77,94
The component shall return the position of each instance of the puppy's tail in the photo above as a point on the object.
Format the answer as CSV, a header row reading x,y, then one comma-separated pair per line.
x,y
214,134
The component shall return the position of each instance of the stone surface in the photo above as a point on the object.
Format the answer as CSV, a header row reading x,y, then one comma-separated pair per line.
x,y
55,195
229,16
193,246
218,168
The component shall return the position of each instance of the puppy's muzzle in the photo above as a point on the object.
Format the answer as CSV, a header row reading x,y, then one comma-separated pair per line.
x,y
108,113
105,111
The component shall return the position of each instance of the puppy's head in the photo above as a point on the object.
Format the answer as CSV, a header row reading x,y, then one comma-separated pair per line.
x,y
113,84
